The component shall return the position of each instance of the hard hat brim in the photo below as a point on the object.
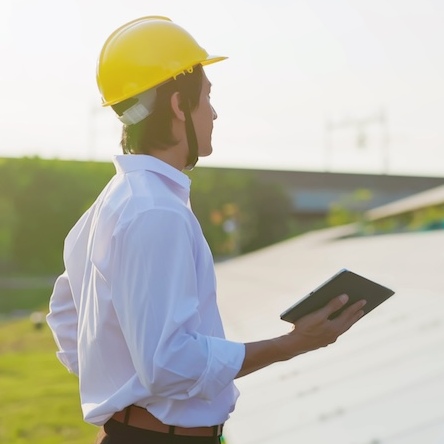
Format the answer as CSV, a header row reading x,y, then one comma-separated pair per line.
x,y
213,59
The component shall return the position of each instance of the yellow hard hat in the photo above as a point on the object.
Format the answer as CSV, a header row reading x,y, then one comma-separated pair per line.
x,y
143,54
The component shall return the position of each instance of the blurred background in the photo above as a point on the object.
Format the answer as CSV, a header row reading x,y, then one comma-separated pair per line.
x,y
329,125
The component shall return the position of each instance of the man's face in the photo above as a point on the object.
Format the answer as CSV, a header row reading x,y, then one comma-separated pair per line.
x,y
203,117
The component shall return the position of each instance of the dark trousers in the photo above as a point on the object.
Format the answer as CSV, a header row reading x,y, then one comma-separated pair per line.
x,y
114,432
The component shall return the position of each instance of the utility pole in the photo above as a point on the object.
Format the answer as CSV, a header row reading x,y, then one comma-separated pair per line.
x,y
360,126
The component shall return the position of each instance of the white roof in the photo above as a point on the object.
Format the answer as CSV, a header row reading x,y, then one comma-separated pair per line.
x,y
427,198
382,382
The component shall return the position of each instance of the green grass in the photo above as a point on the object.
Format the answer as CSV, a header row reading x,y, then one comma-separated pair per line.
x,y
39,398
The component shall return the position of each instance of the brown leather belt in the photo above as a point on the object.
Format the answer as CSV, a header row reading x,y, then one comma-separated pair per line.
x,y
139,417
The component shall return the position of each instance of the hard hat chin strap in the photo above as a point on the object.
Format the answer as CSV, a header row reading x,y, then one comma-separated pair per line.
x,y
193,155
191,137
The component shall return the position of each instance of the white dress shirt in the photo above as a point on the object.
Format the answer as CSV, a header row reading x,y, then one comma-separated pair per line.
x,y
134,315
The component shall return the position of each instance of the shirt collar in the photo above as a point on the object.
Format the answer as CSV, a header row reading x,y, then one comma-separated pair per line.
x,y
125,163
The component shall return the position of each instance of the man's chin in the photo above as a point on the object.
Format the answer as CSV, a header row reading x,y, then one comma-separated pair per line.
x,y
206,152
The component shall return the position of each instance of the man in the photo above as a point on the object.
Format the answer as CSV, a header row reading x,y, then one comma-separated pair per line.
x,y
134,314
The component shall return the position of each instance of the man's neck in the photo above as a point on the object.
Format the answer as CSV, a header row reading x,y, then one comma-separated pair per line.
x,y
174,156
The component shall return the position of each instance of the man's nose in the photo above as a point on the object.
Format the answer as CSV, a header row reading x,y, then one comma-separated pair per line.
x,y
214,113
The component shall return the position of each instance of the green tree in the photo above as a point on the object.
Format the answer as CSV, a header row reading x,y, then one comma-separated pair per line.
x,y
46,198
350,208
238,212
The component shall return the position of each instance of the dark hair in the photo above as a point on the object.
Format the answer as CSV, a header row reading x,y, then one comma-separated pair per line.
x,y
154,132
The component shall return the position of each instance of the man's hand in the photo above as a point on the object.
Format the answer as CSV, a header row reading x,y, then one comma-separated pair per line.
x,y
310,332
316,330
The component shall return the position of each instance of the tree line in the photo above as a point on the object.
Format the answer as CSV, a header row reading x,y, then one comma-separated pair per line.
x,y
41,199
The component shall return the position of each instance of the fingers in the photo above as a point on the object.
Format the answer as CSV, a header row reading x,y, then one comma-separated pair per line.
x,y
339,302
348,317
334,305
351,315
317,329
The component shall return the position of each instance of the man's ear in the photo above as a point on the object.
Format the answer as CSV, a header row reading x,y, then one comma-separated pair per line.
x,y
175,106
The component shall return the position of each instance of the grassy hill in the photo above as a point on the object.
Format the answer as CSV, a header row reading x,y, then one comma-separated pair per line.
x,y
39,398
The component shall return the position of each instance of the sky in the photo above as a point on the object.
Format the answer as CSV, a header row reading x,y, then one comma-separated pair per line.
x,y
318,85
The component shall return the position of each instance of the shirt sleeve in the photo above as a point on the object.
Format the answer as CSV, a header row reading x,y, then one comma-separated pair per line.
x,y
62,319
157,302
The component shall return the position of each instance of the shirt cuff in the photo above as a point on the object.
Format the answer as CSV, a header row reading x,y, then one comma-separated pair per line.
x,y
224,363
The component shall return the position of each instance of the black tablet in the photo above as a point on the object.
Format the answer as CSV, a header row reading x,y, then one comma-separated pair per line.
x,y
345,281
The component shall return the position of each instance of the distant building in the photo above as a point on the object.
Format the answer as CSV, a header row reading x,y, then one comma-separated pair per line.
x,y
312,193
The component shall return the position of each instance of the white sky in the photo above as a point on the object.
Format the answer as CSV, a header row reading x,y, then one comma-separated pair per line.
x,y
293,66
